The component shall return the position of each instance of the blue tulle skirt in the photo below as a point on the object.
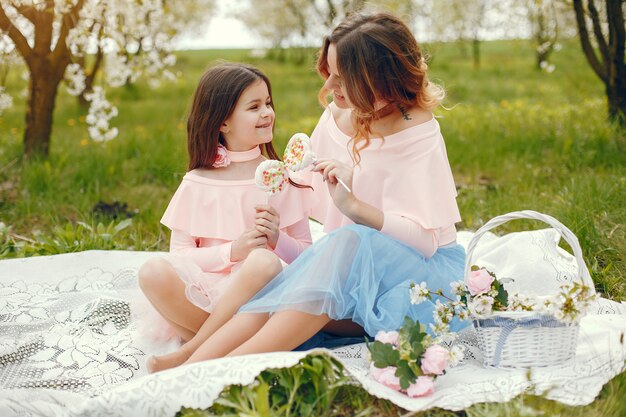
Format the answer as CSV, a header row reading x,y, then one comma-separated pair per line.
x,y
361,274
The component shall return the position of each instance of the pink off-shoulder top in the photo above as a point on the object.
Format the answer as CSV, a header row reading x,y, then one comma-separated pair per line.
x,y
206,215
407,176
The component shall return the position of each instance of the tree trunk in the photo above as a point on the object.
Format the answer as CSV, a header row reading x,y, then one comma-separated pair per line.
x,y
616,96
609,66
42,95
476,52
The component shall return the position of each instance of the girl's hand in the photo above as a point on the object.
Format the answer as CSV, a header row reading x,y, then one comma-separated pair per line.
x,y
246,243
267,221
331,169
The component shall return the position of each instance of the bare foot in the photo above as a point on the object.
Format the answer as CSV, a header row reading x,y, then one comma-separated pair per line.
x,y
171,360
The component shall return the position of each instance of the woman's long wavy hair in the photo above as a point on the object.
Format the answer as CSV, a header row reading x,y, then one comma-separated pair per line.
x,y
378,58
215,99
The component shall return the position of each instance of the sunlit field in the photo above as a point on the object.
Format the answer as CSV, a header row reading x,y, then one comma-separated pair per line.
x,y
517,138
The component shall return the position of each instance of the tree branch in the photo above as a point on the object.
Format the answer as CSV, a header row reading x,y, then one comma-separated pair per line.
x,y
597,30
70,20
21,44
27,11
585,43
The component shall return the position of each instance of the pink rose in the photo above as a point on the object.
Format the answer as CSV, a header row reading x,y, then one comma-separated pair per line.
x,y
435,360
424,385
479,282
388,337
221,159
386,376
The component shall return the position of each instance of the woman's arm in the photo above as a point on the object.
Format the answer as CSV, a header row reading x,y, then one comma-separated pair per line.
x,y
401,228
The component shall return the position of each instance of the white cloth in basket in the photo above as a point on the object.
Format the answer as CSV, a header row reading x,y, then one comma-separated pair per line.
x,y
69,346
523,256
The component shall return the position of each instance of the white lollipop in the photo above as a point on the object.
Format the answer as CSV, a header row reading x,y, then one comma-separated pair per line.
x,y
298,153
271,176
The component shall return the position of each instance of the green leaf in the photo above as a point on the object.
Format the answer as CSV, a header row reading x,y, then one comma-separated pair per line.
x,y
261,399
405,373
383,354
414,331
417,349
503,296
123,225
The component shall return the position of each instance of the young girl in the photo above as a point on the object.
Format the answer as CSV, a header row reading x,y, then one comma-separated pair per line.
x,y
396,225
226,243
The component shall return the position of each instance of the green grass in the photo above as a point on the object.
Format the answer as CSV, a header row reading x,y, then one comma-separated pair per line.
x,y
517,139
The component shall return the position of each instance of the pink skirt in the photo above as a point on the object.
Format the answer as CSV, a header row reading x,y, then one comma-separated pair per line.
x,y
202,289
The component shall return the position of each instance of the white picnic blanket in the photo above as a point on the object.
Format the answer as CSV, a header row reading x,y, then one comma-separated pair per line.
x,y
71,346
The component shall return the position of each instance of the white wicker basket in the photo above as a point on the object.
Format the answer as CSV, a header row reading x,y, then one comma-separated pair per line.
x,y
523,339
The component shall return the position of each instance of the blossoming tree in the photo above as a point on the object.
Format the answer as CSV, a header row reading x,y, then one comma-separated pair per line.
x,y
52,37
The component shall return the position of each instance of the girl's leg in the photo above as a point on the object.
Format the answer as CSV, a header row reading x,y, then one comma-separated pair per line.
x,y
258,269
284,331
164,289
228,337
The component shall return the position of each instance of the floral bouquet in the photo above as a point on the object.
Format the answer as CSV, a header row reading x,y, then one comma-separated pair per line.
x,y
482,294
409,360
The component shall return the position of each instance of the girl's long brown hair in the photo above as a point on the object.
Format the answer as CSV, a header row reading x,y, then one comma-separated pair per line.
x,y
215,99
377,58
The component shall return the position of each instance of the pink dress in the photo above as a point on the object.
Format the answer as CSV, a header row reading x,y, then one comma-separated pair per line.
x,y
206,215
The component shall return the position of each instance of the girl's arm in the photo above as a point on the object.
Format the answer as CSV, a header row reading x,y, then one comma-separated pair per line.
x,y
293,240
209,259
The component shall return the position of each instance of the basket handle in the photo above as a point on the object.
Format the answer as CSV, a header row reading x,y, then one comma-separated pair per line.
x,y
567,234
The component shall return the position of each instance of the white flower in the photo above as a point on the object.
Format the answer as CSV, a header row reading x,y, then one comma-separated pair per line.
x,y
455,355
439,328
481,306
418,293
463,314
518,302
6,101
100,112
75,79
458,288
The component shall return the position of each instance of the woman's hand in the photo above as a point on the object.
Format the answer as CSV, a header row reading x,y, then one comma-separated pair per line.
x,y
246,243
332,170
267,221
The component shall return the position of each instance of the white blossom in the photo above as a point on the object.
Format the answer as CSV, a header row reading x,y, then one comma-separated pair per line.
x,y
458,288
518,302
455,355
75,79
100,113
481,306
547,67
6,101
419,293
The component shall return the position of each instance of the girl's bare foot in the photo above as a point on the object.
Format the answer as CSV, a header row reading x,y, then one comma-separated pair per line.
x,y
163,362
